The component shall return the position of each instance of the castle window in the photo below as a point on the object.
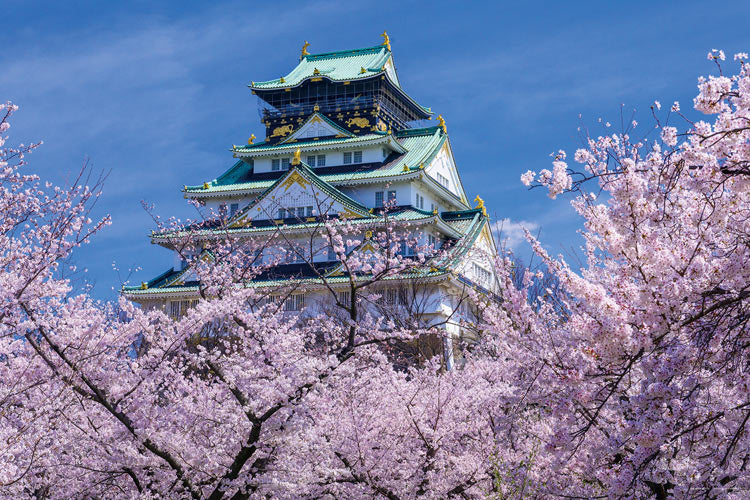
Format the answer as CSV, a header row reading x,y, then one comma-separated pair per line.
x,y
275,164
309,211
347,158
358,157
282,213
294,302
321,160
481,274
378,199
285,164
385,153
233,209
223,210
311,160
391,197
420,201
345,297
442,179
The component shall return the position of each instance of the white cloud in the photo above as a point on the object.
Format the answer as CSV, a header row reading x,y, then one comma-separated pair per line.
x,y
510,234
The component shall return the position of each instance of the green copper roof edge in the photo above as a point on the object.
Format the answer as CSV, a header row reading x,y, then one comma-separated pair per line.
x,y
373,49
295,227
426,272
241,188
333,141
467,242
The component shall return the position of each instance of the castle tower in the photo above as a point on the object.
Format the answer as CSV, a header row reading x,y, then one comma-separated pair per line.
x,y
340,142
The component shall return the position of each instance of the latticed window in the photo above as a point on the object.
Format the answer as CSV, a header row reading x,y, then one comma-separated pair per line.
x,y
285,164
420,201
178,308
321,160
358,157
391,196
482,275
233,208
379,198
442,179
294,302
311,160
347,158
275,164
345,297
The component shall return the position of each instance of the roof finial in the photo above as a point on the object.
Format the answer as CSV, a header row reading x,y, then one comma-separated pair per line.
x,y
441,123
297,159
304,50
316,107
480,205
386,40
251,139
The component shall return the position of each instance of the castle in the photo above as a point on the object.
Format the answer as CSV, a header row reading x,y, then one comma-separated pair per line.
x,y
341,143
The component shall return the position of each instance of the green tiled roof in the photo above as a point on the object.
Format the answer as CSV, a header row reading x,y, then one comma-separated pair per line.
x,y
337,66
135,292
266,146
471,222
406,214
421,146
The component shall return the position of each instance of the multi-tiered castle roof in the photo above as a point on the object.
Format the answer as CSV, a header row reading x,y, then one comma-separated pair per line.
x,y
340,128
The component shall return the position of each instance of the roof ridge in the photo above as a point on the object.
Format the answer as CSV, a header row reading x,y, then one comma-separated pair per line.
x,y
408,132
375,48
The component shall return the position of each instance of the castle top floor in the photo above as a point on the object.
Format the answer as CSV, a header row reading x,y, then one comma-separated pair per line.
x,y
359,89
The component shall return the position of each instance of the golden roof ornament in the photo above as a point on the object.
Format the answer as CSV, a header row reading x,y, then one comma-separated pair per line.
x,y
251,139
362,70
144,285
406,167
304,50
282,80
368,235
316,107
205,185
386,40
297,159
441,123
316,71
480,205
434,211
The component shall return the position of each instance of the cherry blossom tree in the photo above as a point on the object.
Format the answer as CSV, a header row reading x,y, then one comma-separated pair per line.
x,y
645,375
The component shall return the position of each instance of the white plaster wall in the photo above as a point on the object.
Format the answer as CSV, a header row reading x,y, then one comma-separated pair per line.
x,y
333,157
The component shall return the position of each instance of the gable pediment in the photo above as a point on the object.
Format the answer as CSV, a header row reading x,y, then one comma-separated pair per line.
x,y
317,125
299,194
443,169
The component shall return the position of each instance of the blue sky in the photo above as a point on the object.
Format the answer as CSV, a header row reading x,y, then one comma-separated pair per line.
x,y
156,92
